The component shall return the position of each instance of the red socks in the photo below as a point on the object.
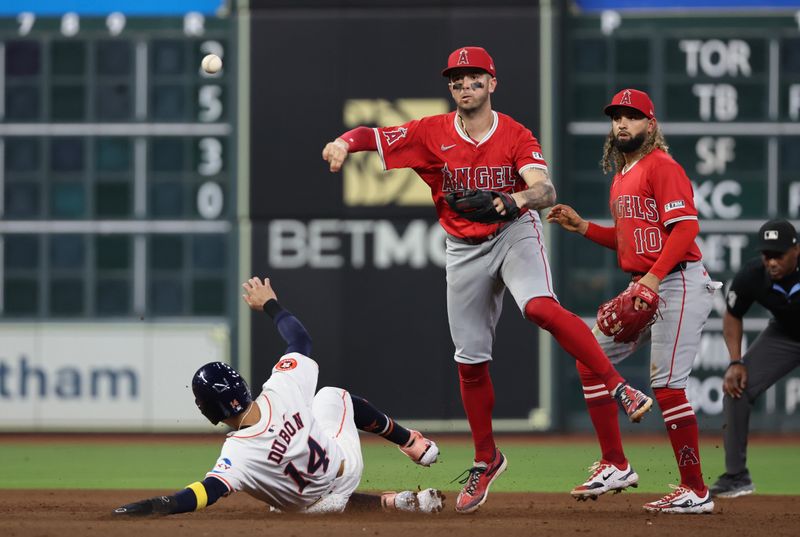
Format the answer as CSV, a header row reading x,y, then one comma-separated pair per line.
x,y
574,337
477,395
603,412
682,429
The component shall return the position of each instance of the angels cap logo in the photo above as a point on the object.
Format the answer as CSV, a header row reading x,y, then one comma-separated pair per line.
x,y
463,57
626,97
287,364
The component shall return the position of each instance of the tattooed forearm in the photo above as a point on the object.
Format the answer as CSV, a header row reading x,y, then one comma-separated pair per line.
x,y
539,195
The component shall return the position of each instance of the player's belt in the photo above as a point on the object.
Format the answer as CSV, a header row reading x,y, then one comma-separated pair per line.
x,y
677,268
480,240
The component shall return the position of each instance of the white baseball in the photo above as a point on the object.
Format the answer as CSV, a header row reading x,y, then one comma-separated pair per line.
x,y
211,64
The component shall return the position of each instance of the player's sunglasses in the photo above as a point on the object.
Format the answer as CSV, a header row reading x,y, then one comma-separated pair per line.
x,y
458,86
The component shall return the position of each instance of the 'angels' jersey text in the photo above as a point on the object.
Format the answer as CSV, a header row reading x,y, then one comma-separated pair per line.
x,y
628,206
443,154
480,178
645,201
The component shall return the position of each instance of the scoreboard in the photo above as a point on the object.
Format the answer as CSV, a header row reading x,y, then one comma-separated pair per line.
x,y
117,191
726,90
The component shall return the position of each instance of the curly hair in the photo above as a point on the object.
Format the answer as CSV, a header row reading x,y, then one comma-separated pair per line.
x,y
614,160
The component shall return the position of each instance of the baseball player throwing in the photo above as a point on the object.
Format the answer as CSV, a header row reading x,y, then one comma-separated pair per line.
x,y
655,224
488,179
292,449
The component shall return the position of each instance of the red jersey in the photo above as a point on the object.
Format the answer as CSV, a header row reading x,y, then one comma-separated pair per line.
x,y
651,196
447,159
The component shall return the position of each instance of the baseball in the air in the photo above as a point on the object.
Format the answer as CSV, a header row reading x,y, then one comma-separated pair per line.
x,y
211,64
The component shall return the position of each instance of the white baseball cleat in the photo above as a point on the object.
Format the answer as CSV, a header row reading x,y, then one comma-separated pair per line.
x,y
682,500
606,477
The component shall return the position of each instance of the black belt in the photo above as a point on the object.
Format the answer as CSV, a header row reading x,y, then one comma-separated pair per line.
x,y
677,268
481,240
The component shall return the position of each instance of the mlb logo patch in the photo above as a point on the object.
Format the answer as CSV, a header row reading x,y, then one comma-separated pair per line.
x,y
671,206
771,235
537,155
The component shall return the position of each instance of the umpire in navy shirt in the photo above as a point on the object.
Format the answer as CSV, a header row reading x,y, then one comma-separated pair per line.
x,y
774,282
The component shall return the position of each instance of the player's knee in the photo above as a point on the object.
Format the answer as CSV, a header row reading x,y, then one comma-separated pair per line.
x,y
331,391
473,373
543,310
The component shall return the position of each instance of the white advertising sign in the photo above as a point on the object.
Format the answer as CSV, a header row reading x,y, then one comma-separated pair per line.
x,y
96,377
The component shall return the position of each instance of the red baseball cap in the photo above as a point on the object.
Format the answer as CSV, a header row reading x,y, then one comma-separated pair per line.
x,y
632,98
469,57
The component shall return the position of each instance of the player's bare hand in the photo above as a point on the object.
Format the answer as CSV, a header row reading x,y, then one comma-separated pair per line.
x,y
258,293
335,153
568,218
735,380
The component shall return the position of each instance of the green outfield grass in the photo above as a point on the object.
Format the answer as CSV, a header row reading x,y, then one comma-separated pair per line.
x,y
538,467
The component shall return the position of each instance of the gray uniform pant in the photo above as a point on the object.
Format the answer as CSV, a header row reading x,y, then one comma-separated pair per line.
x,y
771,356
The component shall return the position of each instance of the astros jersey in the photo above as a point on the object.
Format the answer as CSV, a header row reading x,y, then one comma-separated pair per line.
x,y
447,159
285,459
651,196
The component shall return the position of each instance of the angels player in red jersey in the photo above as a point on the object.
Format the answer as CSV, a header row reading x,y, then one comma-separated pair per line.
x,y
655,224
475,147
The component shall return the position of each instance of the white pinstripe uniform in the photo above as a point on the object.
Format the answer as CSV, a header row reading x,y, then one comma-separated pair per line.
x,y
304,454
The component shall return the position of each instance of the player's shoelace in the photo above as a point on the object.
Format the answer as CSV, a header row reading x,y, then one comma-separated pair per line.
x,y
596,469
471,480
679,490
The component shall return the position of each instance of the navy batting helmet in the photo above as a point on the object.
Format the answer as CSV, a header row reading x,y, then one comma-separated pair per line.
x,y
220,392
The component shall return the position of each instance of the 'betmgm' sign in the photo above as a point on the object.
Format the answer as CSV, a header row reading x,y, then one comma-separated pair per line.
x,y
365,181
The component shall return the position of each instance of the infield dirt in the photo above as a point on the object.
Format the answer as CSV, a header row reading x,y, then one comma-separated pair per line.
x,y
66,513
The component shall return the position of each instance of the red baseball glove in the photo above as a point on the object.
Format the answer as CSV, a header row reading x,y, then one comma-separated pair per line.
x,y
619,317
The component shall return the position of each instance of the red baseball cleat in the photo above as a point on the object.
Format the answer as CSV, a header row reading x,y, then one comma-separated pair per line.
x,y
476,485
633,402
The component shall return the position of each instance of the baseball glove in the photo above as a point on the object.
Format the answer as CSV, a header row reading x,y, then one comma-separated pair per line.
x,y
478,205
619,317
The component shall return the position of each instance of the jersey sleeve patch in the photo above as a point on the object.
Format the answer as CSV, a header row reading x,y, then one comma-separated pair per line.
x,y
225,472
286,364
394,135
672,205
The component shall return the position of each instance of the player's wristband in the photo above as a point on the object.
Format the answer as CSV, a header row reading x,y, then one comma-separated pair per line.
x,y
736,362
200,494
272,308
